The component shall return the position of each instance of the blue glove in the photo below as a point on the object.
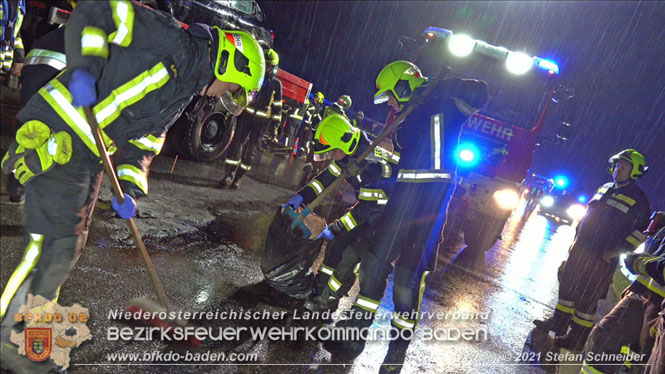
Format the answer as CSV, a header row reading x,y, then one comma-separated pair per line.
x,y
82,87
294,202
326,234
127,209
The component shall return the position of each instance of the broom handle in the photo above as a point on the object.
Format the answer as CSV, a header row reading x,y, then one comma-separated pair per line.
x,y
384,134
117,190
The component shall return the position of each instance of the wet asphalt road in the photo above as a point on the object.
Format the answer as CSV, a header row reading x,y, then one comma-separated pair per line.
x,y
207,243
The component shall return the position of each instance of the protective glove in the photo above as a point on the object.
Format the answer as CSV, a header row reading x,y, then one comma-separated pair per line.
x,y
127,209
82,87
418,97
294,202
635,264
326,234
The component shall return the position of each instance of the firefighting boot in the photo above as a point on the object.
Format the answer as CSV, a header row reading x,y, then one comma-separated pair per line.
x,y
557,323
327,300
236,181
394,360
575,339
346,342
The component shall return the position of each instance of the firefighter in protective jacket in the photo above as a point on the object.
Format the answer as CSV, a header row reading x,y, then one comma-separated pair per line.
x,y
616,216
252,123
54,154
424,145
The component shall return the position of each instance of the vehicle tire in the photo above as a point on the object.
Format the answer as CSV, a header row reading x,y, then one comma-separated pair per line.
x,y
207,139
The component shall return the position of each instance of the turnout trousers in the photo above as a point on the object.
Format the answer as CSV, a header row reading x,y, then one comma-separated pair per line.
x,y
627,328
408,231
340,263
242,150
58,210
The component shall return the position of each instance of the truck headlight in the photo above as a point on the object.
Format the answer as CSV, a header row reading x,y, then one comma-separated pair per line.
x,y
576,211
506,199
547,201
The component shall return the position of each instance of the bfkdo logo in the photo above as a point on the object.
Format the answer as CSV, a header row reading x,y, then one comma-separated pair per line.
x,y
38,343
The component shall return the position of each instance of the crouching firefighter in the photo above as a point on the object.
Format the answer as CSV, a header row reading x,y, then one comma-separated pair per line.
x,y
349,233
413,218
617,215
630,327
135,88
252,123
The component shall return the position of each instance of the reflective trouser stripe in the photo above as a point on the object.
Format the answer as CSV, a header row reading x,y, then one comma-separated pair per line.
x,y
367,304
28,262
652,285
123,16
325,269
588,369
403,323
245,167
583,319
566,306
131,173
333,283
149,143
277,117
356,269
53,59
232,162
421,292
316,186
334,169
348,221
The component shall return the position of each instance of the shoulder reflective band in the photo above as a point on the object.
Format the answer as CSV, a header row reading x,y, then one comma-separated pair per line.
x,y
636,238
333,283
566,306
600,192
403,323
123,16
367,304
626,199
130,93
28,262
583,319
377,195
131,173
348,221
652,285
93,42
418,176
60,100
435,136
325,269
334,169
53,59
149,143
617,204
316,186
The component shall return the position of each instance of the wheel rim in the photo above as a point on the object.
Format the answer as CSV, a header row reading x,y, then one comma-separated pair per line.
x,y
212,133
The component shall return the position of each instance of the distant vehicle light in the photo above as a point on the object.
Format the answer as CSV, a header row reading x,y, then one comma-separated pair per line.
x,y
561,181
430,35
547,201
582,199
518,63
467,155
461,45
548,65
576,211
506,199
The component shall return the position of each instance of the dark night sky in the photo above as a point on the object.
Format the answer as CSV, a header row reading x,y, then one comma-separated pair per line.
x,y
613,53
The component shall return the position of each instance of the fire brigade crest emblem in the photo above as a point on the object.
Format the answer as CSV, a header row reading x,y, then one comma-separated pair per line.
x,y
38,343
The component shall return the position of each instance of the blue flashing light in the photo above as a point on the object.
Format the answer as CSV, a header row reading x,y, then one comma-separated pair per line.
x,y
561,182
581,199
548,65
467,155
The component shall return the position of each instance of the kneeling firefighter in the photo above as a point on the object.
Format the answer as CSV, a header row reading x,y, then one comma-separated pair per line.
x,y
252,123
412,220
134,87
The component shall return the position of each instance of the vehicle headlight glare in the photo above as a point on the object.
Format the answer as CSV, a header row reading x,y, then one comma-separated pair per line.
x,y
506,199
576,211
547,201
518,63
461,45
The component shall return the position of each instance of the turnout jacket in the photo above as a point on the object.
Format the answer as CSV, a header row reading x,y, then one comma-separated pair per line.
x,y
268,102
147,69
425,142
614,220
371,186
651,277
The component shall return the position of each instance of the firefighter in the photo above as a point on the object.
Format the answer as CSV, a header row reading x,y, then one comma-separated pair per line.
x,y
416,208
293,120
55,156
305,132
628,326
358,119
313,115
349,233
616,216
252,123
12,52
44,61
340,107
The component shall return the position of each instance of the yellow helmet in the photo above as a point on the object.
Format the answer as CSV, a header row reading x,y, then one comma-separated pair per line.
x,y
635,158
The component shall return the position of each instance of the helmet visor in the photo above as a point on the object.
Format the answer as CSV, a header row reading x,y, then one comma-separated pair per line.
x,y
236,102
381,98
